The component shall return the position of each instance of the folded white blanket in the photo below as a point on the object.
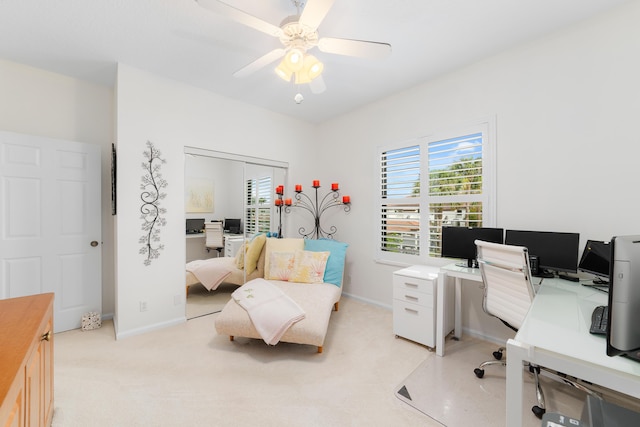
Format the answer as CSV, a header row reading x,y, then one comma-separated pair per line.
x,y
271,311
208,272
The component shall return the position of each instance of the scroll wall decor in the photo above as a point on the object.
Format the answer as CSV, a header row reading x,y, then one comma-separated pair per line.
x,y
151,212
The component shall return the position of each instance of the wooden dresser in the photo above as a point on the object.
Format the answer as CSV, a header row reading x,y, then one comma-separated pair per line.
x,y
26,361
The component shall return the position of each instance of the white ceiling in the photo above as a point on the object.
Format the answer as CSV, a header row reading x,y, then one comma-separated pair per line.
x,y
180,40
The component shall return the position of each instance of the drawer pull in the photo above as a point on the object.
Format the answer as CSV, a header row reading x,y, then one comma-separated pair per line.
x,y
411,297
46,336
414,285
410,310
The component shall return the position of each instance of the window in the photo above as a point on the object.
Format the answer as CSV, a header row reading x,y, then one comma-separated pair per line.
x,y
258,206
430,182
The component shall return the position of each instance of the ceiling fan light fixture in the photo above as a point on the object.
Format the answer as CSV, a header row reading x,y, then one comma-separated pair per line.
x,y
313,66
283,71
302,77
294,59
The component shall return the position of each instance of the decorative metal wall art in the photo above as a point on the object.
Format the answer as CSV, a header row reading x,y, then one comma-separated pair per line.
x,y
151,212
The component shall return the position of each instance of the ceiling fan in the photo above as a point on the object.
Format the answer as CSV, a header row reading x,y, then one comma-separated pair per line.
x,y
298,34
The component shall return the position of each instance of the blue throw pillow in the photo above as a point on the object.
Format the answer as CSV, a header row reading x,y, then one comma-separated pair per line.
x,y
335,263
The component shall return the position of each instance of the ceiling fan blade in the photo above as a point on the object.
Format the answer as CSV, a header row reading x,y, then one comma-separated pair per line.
x,y
259,63
240,16
314,12
317,85
358,48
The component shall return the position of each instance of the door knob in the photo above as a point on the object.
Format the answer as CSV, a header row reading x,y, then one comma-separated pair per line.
x,y
94,243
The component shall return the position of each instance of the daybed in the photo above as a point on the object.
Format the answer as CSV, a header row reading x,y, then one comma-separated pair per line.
x,y
289,259
212,272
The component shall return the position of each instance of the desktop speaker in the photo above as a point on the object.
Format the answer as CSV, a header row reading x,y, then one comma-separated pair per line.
x,y
533,263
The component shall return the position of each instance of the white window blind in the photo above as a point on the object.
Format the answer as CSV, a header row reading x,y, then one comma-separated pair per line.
x,y
400,207
258,205
431,182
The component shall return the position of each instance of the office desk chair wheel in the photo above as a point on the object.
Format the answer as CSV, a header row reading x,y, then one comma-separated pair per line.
x,y
479,371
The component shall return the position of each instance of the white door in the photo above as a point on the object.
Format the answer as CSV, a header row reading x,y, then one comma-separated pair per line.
x,y
50,237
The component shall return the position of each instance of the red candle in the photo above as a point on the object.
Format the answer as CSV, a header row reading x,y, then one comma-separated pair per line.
x,y
280,189
334,186
346,200
316,183
298,188
287,202
278,202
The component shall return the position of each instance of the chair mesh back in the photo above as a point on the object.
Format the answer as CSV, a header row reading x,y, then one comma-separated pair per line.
x,y
506,276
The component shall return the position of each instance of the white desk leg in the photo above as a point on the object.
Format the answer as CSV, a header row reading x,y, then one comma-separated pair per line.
x,y
515,356
440,314
458,313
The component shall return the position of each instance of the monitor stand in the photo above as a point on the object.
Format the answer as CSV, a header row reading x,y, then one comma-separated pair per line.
x,y
544,275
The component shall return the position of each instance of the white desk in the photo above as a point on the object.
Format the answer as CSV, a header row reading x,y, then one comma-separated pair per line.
x,y
443,314
555,334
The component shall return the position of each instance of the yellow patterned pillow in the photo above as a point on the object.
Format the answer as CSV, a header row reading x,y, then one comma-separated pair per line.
x,y
240,256
280,245
308,267
280,265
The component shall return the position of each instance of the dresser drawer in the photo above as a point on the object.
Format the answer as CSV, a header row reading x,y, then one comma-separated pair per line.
x,y
412,296
426,286
414,322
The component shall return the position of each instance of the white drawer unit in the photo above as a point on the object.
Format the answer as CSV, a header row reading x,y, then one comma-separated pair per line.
x,y
414,304
232,244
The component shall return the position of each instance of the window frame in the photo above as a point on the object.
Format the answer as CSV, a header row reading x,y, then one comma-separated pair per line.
x,y
485,126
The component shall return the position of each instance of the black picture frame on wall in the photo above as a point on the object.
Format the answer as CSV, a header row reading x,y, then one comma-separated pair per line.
x,y
113,179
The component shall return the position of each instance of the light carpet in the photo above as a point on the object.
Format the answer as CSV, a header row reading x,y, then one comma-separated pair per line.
x,y
188,375
447,390
201,302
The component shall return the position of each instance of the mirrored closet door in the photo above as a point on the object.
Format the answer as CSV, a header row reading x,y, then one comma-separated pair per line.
x,y
229,199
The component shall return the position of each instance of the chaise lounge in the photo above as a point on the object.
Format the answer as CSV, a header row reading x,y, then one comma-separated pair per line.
x,y
293,267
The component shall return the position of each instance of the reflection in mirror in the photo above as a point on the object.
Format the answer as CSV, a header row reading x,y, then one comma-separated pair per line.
x,y
233,196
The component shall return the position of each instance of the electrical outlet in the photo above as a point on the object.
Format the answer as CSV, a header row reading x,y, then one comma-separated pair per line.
x,y
143,306
177,299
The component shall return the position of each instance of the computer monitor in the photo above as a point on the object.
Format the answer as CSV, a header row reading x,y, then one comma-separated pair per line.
x,y
232,225
623,333
555,251
194,225
596,260
459,242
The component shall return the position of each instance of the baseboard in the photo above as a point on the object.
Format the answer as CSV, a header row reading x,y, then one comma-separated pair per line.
x,y
497,340
368,301
148,328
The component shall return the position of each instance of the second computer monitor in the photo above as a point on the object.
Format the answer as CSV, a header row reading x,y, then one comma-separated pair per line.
x,y
232,225
554,251
596,258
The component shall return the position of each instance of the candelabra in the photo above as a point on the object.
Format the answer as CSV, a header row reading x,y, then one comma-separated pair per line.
x,y
279,202
315,205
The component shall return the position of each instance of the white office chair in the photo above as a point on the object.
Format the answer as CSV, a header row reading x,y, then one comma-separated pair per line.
x,y
508,294
214,236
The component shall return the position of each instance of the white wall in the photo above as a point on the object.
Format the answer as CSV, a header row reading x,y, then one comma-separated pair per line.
x,y
566,109
38,102
173,115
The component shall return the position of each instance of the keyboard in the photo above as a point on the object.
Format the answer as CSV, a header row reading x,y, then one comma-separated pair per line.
x,y
599,319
